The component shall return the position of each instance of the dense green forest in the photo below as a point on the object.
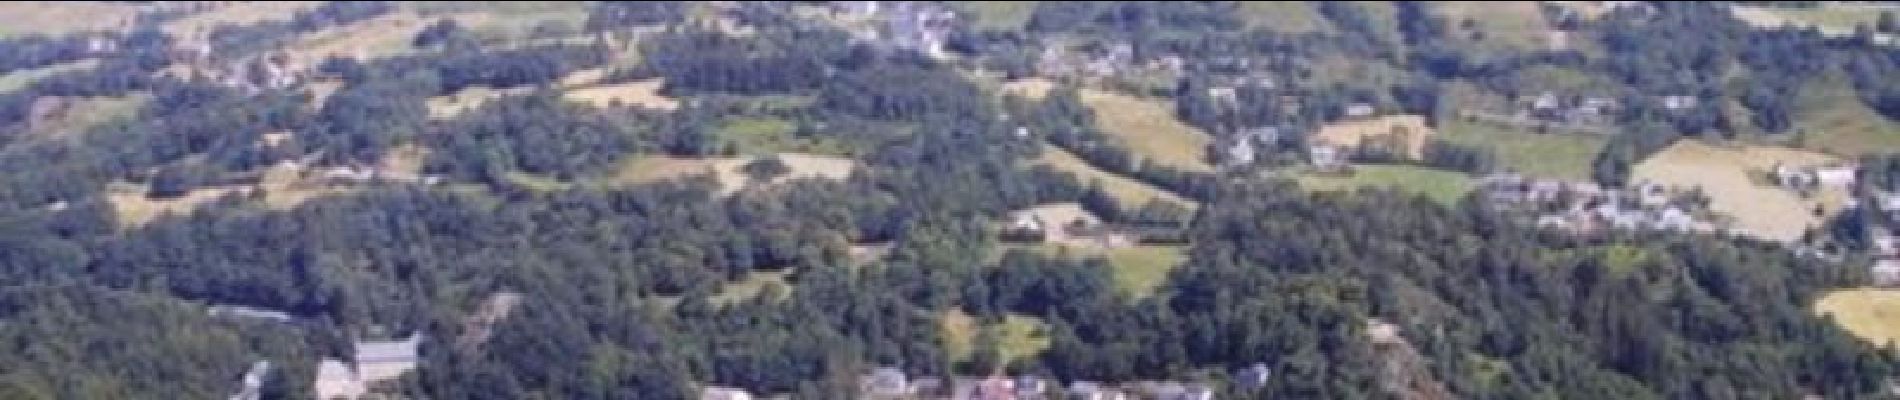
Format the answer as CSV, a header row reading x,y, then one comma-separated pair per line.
x,y
623,282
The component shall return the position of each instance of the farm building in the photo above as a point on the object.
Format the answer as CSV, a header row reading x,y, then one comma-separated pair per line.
x,y
1326,157
244,312
1084,390
724,393
1886,272
1676,103
385,360
1359,110
376,361
1255,376
1025,226
885,382
1884,244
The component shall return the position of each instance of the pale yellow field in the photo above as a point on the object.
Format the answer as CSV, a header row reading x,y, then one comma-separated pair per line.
x,y
1017,337
1515,23
1414,133
284,188
383,36
1130,192
17,80
320,91
454,104
1138,270
82,113
404,159
1149,129
1726,175
62,17
583,77
134,209
643,93
1871,314
236,13
728,170
959,334
752,286
1032,88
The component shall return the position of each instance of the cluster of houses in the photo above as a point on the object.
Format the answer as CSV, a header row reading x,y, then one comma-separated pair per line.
x,y
1577,110
1584,208
375,361
1110,60
357,174
923,27
889,383
1030,227
1244,146
275,70
1884,243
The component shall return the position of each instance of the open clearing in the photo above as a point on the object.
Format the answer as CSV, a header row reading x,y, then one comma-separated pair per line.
x,y
63,17
999,15
17,80
1283,16
1838,122
585,77
1410,130
1728,174
235,13
280,187
642,93
1127,191
1831,19
653,168
454,104
1871,314
1032,88
1543,155
1148,128
134,209
1138,270
1057,216
752,286
1516,25
505,20
1445,187
1018,337
77,114
383,36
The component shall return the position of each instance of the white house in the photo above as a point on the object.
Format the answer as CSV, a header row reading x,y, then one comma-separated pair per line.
x,y
253,382
335,380
1674,103
1836,176
388,359
1359,110
1325,157
724,393
1886,272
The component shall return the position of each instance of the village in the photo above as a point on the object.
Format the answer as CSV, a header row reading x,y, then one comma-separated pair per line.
x,y
1357,141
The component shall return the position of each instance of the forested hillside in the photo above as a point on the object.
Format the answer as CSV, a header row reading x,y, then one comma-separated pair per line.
x,y
821,203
